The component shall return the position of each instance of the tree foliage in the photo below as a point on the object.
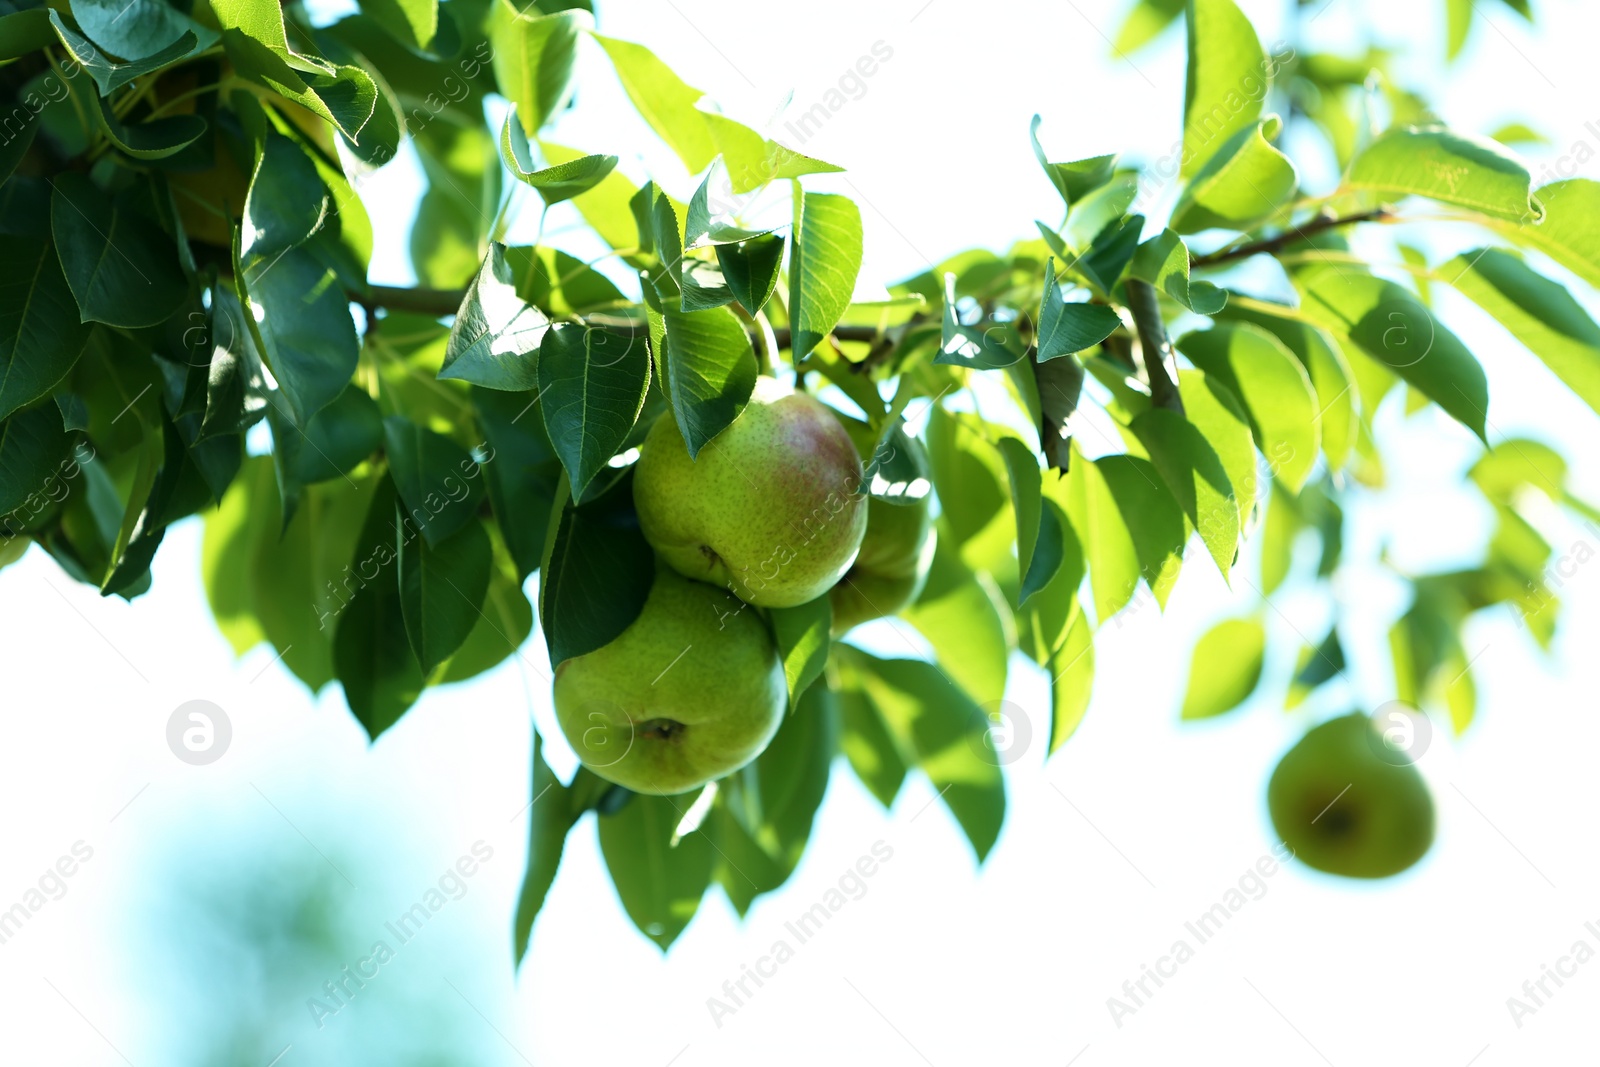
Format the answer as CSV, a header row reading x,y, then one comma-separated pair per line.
x,y
184,260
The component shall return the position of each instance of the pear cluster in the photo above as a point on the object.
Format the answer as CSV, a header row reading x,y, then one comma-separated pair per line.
x,y
772,513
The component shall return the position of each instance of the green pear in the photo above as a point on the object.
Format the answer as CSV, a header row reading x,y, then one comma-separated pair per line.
x,y
1348,805
691,691
891,567
772,507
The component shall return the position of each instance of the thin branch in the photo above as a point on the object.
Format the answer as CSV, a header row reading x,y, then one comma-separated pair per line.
x,y
1271,245
1154,348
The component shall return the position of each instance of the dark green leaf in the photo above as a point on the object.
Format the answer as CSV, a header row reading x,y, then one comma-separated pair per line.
x,y
1196,478
33,444
372,656
1039,534
436,478
442,589
522,472
596,574
495,339
592,384
287,200
40,334
120,265
1067,328
750,269
710,372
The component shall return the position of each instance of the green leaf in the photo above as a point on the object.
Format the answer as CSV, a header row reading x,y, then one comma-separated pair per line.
x,y
664,101
256,41
338,439
287,201
750,269
1330,374
553,184
710,372
1225,667
229,540
1387,323
967,346
1214,409
553,811
1084,494
1076,179
660,884
1570,230
1245,182
1067,328
296,580
1163,261
436,479
521,472
561,284
948,733
1538,312
605,207
413,22
1146,22
1517,463
108,74
1315,665
300,319
752,160
766,810
372,655
960,618
823,268
533,59
495,339
1227,80
1071,670
1039,534
867,744
1152,516
22,32
1190,467
705,226
33,444
1453,168
592,384
450,235
1275,389
154,139
596,573
442,588
505,622
119,264
41,336
802,636
137,29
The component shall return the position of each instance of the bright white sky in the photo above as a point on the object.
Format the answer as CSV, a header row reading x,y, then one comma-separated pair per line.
x,y
1139,825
